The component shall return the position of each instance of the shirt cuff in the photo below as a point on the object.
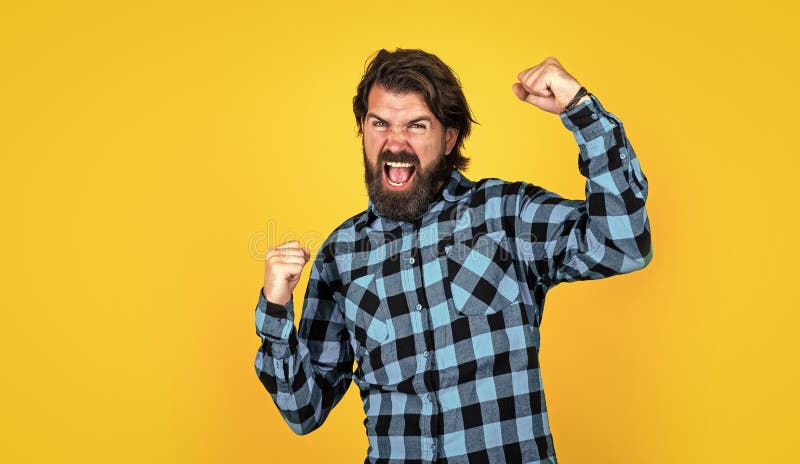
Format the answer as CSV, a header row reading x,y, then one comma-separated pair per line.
x,y
273,309
273,321
586,115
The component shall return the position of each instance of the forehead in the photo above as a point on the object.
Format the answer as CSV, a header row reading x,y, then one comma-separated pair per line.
x,y
386,103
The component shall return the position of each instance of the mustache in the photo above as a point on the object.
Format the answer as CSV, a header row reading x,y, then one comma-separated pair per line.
x,y
398,157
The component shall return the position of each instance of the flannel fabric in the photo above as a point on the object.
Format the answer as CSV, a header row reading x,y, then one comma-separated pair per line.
x,y
441,315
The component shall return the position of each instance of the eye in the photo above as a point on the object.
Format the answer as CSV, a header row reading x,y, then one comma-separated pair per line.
x,y
377,123
418,125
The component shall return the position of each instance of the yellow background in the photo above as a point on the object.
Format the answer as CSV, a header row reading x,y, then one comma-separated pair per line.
x,y
150,151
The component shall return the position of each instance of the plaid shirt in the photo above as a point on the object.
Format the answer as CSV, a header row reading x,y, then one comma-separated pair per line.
x,y
442,315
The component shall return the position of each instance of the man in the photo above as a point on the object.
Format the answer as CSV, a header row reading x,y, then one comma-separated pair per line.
x,y
436,291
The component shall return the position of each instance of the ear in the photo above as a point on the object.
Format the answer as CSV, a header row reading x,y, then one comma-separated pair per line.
x,y
450,137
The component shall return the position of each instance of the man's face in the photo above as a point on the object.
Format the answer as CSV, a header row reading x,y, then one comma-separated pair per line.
x,y
405,149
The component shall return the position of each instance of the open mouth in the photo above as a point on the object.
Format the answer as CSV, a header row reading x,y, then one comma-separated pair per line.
x,y
398,175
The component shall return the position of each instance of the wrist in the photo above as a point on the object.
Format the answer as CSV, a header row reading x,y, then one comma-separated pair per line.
x,y
274,309
278,300
581,96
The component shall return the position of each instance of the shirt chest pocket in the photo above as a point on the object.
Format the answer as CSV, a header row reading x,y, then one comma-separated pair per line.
x,y
481,276
362,306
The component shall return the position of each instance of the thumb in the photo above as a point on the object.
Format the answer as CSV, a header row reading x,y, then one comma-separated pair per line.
x,y
546,103
520,91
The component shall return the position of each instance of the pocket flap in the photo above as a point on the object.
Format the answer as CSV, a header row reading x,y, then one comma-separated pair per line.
x,y
482,276
362,305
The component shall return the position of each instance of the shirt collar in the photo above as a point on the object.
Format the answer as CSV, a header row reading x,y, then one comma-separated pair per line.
x,y
457,187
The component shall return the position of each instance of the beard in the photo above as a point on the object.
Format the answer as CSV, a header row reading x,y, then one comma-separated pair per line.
x,y
409,204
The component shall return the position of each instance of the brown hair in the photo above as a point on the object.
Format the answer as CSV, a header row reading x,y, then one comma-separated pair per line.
x,y
404,71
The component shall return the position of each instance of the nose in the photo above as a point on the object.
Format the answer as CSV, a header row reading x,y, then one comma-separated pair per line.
x,y
396,140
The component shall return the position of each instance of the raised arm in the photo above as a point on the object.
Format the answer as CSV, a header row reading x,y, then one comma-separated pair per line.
x,y
307,371
608,233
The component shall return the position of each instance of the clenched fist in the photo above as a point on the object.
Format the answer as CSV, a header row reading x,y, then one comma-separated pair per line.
x,y
284,263
547,86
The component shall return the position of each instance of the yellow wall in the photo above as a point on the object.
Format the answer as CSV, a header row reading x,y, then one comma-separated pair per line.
x,y
146,147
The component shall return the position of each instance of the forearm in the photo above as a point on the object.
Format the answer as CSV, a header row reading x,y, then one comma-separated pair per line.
x,y
617,232
303,393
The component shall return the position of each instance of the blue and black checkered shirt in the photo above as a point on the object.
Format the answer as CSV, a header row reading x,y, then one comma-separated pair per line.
x,y
441,316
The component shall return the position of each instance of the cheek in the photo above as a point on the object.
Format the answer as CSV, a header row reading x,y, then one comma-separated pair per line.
x,y
373,136
373,144
427,152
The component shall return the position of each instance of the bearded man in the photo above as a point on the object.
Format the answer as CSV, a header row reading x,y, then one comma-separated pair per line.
x,y
436,290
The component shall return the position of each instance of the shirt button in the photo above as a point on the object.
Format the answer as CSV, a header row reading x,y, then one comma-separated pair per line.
x,y
622,155
433,448
419,307
594,116
426,354
411,260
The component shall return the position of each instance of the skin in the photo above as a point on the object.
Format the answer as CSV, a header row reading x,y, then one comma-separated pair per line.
x,y
398,122
284,263
547,86
402,122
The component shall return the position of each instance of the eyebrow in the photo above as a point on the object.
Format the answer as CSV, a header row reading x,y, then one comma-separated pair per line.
x,y
373,115
413,121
